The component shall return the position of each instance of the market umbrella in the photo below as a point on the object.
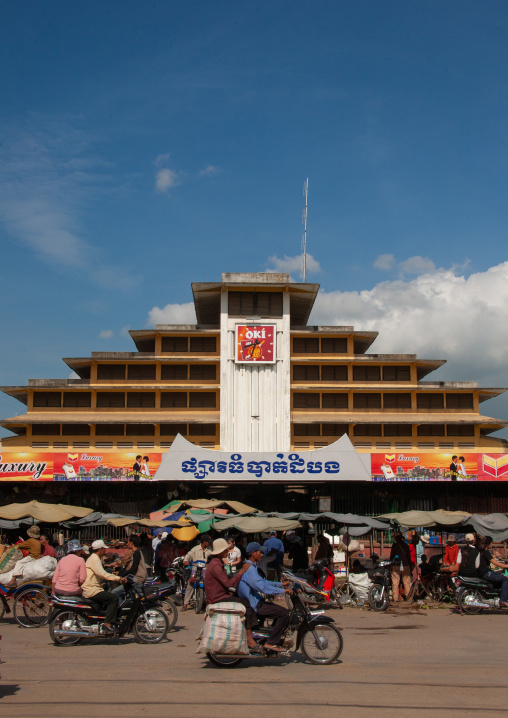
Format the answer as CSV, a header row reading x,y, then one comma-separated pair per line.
x,y
256,524
495,525
47,513
427,519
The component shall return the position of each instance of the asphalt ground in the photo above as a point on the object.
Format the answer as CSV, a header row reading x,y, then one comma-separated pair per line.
x,y
403,662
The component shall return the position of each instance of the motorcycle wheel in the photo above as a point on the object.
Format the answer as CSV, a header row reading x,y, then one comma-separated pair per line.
x,y
32,608
378,600
465,597
154,632
171,612
330,648
57,622
199,600
222,661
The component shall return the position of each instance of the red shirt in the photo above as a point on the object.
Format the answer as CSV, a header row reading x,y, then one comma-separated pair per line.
x,y
49,551
450,556
217,582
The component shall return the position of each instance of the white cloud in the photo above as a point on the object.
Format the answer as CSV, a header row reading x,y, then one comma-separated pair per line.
x,y
172,314
293,264
105,334
440,315
384,261
165,179
417,265
161,159
210,170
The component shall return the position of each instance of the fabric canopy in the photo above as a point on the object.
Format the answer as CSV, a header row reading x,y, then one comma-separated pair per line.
x,y
47,513
495,525
342,519
209,504
256,524
427,519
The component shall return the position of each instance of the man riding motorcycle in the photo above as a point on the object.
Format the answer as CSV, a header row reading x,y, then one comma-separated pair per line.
x,y
252,585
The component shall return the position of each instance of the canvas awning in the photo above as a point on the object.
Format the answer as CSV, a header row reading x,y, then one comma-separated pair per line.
x,y
256,524
495,525
427,519
47,513
209,505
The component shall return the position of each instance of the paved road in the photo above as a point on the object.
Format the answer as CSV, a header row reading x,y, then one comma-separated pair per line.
x,y
401,663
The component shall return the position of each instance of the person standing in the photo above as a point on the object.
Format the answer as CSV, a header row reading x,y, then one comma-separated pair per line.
x,y
92,586
401,557
136,469
298,552
70,572
275,544
234,557
144,468
324,549
453,468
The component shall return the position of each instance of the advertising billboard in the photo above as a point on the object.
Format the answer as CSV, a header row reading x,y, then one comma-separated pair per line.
x,y
255,343
402,466
95,465
26,466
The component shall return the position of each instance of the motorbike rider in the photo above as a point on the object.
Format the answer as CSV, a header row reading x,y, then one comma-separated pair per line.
x,y
92,586
200,552
136,568
218,585
253,585
484,571
70,571
470,558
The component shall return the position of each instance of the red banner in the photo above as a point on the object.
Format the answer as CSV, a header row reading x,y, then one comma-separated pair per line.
x,y
95,465
26,466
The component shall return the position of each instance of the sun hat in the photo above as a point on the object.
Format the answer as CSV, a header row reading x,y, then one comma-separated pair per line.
x,y
218,546
425,538
98,544
86,548
470,537
255,546
34,532
73,545
164,535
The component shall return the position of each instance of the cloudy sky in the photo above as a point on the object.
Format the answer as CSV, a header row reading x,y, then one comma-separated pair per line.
x,y
146,146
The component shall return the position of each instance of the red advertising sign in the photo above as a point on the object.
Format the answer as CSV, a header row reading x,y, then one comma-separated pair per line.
x,y
26,466
493,467
96,465
255,344
401,466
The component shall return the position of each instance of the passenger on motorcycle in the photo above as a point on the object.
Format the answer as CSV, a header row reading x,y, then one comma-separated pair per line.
x,y
253,585
92,586
486,559
218,585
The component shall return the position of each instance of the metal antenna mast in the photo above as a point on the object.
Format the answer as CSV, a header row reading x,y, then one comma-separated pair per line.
x,y
304,220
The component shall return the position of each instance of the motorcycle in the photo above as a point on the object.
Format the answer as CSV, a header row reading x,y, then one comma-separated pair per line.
x,y
160,592
381,578
313,632
317,583
75,618
197,580
475,595
179,573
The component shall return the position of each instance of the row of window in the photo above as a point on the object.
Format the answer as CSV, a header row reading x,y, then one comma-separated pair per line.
x,y
130,399
387,400
383,430
124,429
133,372
366,373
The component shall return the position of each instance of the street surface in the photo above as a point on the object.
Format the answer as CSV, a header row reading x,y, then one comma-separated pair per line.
x,y
400,663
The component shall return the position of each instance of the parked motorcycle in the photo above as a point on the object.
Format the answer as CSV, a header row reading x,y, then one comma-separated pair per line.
x,y
312,631
381,578
317,584
475,595
197,580
74,618
160,593
179,573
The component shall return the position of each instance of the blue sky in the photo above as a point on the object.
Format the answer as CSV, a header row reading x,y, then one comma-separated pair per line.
x,y
144,146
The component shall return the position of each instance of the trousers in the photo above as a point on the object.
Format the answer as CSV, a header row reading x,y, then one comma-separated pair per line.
x,y
110,600
280,617
406,580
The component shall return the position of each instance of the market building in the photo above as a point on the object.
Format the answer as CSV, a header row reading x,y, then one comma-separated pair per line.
x,y
251,376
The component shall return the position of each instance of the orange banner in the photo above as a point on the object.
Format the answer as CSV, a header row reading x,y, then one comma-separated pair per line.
x,y
26,466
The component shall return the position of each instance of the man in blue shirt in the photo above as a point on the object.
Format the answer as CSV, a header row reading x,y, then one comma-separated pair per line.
x,y
252,586
275,544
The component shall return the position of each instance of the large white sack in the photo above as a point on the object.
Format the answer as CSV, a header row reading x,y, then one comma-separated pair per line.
x,y
361,584
39,570
17,570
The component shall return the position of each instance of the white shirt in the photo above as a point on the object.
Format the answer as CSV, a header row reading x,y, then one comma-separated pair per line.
x,y
234,555
155,542
145,470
